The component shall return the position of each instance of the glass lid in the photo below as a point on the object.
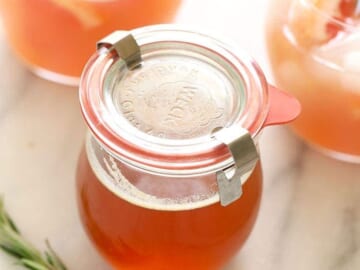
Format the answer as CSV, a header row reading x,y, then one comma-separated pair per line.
x,y
156,95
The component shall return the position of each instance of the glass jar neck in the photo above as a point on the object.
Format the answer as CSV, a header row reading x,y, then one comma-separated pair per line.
x,y
149,190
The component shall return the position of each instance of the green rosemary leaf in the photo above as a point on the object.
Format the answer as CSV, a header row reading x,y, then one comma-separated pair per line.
x,y
12,242
48,258
11,223
18,245
10,251
32,265
55,259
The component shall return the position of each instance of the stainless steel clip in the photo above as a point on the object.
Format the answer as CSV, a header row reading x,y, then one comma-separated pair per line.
x,y
245,155
125,46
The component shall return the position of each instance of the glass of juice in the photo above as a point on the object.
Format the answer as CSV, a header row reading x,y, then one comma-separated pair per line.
x,y
314,50
170,176
54,38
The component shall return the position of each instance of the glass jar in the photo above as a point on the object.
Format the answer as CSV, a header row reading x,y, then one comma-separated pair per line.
x,y
313,47
170,174
55,38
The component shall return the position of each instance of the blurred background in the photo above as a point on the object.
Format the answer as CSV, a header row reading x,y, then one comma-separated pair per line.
x,y
310,212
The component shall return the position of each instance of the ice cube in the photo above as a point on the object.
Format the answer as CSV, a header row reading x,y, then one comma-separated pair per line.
x,y
351,62
350,77
82,10
307,22
334,51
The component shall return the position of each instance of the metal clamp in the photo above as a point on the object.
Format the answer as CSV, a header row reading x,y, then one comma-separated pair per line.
x,y
245,155
125,46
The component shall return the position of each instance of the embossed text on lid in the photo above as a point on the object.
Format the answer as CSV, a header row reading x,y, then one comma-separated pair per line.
x,y
174,96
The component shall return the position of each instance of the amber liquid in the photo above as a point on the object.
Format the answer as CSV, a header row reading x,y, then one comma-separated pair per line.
x,y
330,117
60,35
133,237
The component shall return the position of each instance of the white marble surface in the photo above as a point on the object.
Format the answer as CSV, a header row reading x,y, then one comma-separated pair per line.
x,y
310,212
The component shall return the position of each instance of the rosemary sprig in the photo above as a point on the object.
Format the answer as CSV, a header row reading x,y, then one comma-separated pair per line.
x,y
26,254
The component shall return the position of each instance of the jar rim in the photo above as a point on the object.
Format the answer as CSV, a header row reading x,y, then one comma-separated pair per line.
x,y
170,156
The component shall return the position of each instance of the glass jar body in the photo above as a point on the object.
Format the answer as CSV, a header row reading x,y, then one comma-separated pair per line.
x,y
55,38
134,236
312,55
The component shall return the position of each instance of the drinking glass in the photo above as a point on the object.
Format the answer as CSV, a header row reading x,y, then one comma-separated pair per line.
x,y
313,47
54,38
